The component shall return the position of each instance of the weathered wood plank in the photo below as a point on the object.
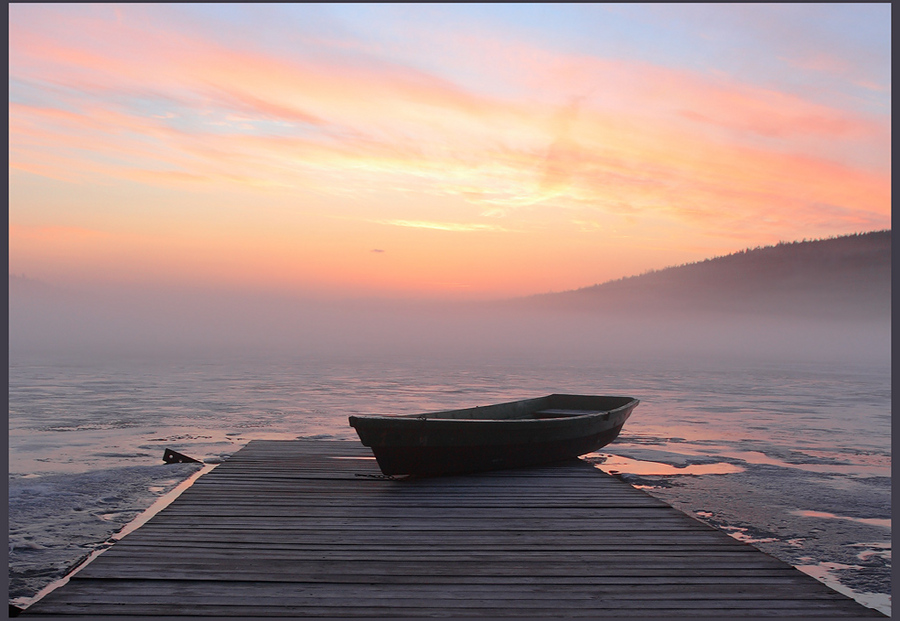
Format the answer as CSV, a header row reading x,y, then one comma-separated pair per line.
x,y
425,588
654,609
424,557
405,539
304,594
406,548
315,595
333,573
601,527
249,569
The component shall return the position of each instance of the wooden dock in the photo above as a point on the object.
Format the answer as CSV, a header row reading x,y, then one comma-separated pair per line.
x,y
308,529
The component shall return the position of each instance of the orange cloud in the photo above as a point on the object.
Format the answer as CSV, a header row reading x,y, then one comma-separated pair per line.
x,y
443,226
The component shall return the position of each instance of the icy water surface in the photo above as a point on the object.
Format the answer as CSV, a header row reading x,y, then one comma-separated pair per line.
x,y
794,458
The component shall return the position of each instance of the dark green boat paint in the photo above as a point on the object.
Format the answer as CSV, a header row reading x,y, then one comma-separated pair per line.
x,y
507,435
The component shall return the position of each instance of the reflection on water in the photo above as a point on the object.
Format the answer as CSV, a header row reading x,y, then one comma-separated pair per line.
x,y
616,464
880,549
822,514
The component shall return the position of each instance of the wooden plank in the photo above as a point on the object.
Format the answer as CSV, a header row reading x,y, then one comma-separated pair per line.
x,y
176,612
290,529
304,594
450,514
441,596
588,536
244,568
771,582
406,547
562,583
621,588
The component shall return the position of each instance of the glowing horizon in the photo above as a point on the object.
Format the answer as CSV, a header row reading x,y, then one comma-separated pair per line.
x,y
436,150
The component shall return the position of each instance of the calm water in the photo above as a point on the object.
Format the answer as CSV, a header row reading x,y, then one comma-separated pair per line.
x,y
794,458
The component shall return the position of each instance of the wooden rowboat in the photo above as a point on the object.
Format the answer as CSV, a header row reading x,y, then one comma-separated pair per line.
x,y
506,435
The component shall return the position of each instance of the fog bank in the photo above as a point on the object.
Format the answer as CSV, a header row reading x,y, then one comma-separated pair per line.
x,y
157,323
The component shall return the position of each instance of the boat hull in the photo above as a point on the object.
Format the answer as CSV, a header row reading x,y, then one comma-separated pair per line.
x,y
442,460
512,435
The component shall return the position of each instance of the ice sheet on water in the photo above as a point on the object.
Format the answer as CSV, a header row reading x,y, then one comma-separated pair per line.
x,y
57,520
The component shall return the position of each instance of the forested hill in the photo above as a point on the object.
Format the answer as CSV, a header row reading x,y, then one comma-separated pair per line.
x,y
843,277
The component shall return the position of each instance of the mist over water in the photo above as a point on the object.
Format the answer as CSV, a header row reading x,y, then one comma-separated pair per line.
x,y
179,323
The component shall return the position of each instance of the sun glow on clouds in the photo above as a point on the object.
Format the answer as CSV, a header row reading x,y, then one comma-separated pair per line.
x,y
443,226
333,137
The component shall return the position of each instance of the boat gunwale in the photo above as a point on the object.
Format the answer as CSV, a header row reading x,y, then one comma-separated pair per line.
x,y
434,416
421,418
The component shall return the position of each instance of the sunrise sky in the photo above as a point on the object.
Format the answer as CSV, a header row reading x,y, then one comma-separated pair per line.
x,y
468,151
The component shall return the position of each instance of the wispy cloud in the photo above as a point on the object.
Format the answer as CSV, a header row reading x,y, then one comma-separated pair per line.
x,y
391,118
443,226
